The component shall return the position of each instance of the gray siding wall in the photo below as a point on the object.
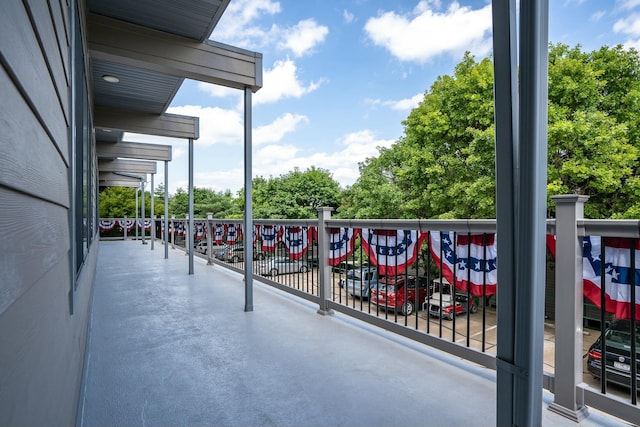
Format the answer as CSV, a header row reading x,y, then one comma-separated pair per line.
x,y
41,343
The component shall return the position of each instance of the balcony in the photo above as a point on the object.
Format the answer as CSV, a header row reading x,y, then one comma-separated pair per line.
x,y
168,348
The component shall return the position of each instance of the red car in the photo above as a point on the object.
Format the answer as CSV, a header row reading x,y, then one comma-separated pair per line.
x,y
390,293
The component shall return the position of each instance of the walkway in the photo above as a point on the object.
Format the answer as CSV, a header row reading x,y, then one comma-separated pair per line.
x,y
170,349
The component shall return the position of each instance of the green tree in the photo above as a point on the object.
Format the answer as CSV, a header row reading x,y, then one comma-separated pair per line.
x,y
220,204
444,164
296,194
116,202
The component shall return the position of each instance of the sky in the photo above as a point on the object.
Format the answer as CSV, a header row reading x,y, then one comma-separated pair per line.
x,y
339,78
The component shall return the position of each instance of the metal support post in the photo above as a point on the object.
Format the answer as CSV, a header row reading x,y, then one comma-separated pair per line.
x,y
248,203
135,224
521,162
153,216
166,209
189,241
568,309
209,235
125,227
324,270
173,232
144,214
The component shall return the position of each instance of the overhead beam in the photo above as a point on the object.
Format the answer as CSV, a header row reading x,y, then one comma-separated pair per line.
x,y
118,183
114,176
138,167
129,44
133,150
171,125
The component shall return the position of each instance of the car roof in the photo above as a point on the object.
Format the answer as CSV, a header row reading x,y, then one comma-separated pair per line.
x,y
623,325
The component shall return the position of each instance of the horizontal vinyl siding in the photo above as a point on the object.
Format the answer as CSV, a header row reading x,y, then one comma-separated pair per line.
x,y
42,343
23,59
29,161
35,238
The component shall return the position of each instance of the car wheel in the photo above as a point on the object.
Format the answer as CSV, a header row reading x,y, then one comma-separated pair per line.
x,y
450,315
304,269
273,272
235,258
407,308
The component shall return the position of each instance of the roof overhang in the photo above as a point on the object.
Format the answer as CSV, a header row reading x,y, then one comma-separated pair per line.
x,y
133,150
138,167
150,47
171,125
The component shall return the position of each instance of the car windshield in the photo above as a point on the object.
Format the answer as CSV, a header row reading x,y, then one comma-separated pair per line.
x,y
354,275
385,287
621,339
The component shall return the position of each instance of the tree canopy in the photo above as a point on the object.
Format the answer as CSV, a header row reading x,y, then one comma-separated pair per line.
x,y
444,164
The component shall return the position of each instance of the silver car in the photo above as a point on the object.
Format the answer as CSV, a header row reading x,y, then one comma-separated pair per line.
x,y
281,265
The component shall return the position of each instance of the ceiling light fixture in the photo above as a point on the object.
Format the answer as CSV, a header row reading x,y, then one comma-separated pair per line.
x,y
111,79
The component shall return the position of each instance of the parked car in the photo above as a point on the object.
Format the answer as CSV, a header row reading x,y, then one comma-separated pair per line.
x,y
235,253
617,337
345,266
281,265
358,282
390,293
449,303
201,246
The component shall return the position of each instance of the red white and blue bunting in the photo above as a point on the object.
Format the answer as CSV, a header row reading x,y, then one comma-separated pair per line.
x,y
147,224
106,224
233,233
341,243
270,236
391,250
472,258
126,224
296,240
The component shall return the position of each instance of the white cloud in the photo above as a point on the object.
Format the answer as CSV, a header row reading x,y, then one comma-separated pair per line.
x,y
303,37
406,104
275,131
218,91
347,16
628,4
235,25
596,16
217,125
240,26
427,33
282,82
275,160
629,25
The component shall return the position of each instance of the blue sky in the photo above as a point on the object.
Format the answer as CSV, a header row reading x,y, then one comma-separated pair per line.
x,y
339,77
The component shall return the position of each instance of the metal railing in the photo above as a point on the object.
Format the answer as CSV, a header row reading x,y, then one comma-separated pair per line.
x,y
470,332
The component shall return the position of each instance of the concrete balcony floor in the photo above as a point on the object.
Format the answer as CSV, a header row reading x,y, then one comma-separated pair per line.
x,y
171,349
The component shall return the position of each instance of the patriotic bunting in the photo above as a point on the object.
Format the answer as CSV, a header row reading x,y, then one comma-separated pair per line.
x,y
233,233
218,233
618,274
341,243
391,250
126,223
296,240
466,256
147,224
270,235
256,233
107,224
